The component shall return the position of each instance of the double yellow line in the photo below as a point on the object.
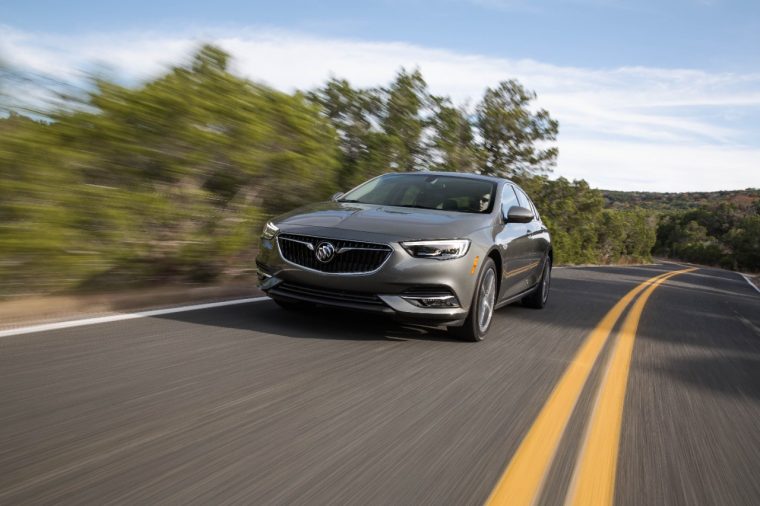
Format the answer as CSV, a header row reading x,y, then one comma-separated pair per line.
x,y
594,476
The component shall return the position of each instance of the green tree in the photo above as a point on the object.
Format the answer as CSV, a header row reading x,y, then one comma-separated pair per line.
x,y
640,234
354,114
714,233
168,179
745,241
380,129
611,236
406,102
452,142
512,134
571,211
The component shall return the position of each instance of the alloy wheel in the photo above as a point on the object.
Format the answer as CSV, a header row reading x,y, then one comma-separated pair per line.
x,y
486,300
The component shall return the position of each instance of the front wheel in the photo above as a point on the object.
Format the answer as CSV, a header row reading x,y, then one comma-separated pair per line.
x,y
480,316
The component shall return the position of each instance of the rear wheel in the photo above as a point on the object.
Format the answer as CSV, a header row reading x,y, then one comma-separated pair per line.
x,y
537,299
480,316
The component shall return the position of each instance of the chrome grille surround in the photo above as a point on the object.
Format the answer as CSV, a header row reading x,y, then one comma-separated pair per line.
x,y
350,258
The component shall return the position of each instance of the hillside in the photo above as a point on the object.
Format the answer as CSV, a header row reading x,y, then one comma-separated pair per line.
x,y
679,201
713,228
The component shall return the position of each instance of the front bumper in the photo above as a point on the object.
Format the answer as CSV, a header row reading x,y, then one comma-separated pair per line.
x,y
386,290
396,306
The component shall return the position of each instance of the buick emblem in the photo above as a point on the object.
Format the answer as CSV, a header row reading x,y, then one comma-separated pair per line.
x,y
325,252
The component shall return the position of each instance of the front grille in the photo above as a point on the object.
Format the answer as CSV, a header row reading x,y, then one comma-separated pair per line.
x,y
351,257
326,295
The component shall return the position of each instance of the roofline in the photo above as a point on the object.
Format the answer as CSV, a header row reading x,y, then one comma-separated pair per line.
x,y
470,175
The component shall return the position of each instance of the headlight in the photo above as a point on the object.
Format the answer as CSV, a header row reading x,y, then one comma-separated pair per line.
x,y
269,231
440,250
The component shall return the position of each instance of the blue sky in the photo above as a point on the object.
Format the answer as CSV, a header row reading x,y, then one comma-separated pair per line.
x,y
650,95
704,34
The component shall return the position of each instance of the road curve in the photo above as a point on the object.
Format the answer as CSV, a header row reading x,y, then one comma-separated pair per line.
x,y
250,404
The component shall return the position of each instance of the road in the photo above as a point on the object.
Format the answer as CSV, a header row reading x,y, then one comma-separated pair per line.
x,y
249,404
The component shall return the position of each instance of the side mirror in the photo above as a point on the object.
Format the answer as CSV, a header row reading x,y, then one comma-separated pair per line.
x,y
517,214
336,196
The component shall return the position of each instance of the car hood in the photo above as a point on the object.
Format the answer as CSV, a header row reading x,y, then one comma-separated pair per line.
x,y
375,222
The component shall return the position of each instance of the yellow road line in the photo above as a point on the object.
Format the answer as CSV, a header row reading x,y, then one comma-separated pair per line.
x,y
593,480
522,481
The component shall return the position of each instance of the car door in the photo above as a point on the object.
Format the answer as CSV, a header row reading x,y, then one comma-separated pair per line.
x,y
515,247
537,239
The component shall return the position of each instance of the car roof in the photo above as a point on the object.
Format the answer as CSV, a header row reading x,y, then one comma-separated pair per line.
x,y
469,175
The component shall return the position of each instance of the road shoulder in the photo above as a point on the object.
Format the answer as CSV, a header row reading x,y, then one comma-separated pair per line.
x,y
55,308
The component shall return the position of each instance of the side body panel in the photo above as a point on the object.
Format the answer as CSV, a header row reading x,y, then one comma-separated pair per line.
x,y
515,248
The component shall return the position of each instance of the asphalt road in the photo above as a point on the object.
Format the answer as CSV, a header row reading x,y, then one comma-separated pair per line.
x,y
250,404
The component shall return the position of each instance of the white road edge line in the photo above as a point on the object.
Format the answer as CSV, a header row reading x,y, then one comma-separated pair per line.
x,y
753,285
125,316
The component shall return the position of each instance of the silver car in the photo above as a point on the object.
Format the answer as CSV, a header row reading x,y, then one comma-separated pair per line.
x,y
436,248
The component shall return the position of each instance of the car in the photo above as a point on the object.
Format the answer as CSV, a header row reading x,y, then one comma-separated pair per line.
x,y
433,248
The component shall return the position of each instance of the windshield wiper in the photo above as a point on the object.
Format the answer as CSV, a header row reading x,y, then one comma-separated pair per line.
x,y
351,201
414,206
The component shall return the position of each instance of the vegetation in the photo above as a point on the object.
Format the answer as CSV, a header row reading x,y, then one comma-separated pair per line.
x,y
159,182
724,234
712,228
172,180
583,231
679,201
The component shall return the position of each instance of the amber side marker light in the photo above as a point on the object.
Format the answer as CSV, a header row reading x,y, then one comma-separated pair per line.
x,y
474,265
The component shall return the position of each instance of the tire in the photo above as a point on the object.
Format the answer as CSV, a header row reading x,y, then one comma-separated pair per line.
x,y
484,299
538,297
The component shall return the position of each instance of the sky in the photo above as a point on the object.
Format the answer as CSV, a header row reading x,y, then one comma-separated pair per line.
x,y
650,95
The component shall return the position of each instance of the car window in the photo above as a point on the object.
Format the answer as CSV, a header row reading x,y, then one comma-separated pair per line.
x,y
535,211
522,198
525,201
409,196
427,191
508,198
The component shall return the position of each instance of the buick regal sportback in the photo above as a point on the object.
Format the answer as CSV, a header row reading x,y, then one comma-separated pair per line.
x,y
427,247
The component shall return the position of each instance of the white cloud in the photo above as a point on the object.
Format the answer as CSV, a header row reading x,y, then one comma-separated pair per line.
x,y
625,128
632,165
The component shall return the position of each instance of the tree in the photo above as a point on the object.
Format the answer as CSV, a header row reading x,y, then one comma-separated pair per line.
x,y
355,115
714,233
745,241
403,122
511,133
168,179
380,129
571,211
611,236
452,145
640,233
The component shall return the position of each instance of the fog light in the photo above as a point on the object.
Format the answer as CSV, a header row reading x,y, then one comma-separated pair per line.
x,y
432,300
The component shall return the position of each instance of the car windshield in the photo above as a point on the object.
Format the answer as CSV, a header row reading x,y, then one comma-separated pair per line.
x,y
426,191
